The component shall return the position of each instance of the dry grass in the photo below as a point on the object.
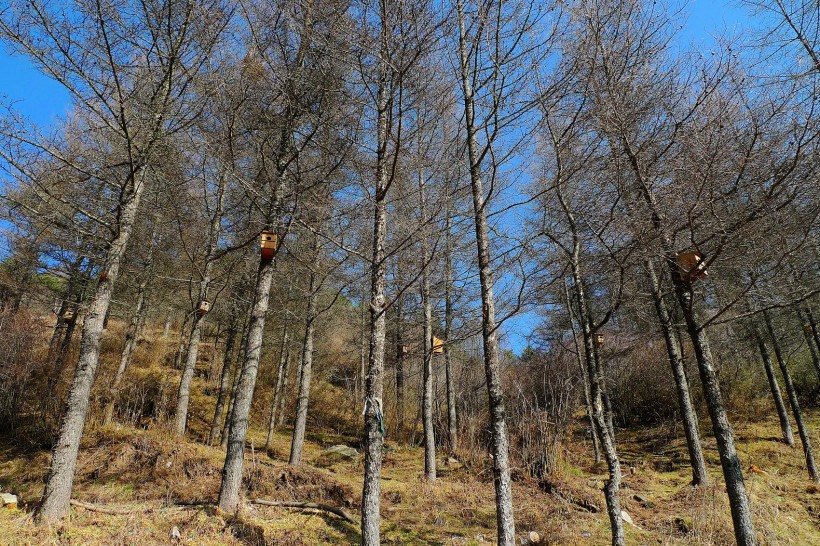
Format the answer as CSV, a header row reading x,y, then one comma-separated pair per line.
x,y
146,469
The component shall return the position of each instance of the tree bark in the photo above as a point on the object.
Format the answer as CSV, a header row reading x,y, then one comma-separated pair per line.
x,y
452,423
500,445
427,372
795,404
306,365
687,409
277,393
814,350
184,392
782,414
373,407
230,490
133,332
57,494
224,377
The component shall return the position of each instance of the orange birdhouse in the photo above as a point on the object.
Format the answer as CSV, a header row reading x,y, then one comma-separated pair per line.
x,y
691,265
599,339
438,345
268,245
204,307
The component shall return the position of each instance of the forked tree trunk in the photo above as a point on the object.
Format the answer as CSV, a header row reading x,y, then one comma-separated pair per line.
x,y
230,490
795,404
306,365
505,521
55,501
782,414
687,409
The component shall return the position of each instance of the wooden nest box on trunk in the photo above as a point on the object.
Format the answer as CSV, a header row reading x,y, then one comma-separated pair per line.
x,y
600,339
691,265
438,345
268,245
204,307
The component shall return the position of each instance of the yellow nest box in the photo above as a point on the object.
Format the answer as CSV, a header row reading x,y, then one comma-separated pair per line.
x,y
691,265
268,245
438,345
204,307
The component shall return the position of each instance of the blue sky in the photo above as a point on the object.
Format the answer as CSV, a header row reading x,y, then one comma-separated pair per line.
x,y
43,101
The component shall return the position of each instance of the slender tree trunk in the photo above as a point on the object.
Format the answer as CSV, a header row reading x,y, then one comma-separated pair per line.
x,y
814,349
452,423
596,441
612,486
427,372
283,398
687,409
373,407
724,435
184,334
815,331
400,359
795,404
243,345
277,393
133,332
782,414
55,501
230,490
498,424
184,392
306,365
167,328
224,378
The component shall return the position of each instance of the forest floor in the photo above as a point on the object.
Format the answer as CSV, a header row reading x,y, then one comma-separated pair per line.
x,y
171,483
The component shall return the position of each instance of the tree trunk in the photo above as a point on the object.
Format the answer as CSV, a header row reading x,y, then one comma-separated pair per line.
x,y
277,393
500,446
815,331
724,436
184,393
814,349
687,409
427,372
452,424
133,332
55,501
782,414
400,358
230,490
306,365
795,404
224,378
373,440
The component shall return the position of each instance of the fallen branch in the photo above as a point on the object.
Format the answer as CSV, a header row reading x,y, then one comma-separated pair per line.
x,y
110,510
308,505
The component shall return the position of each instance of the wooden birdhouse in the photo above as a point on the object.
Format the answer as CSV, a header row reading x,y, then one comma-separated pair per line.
x,y
599,339
401,349
691,265
438,345
268,245
807,329
204,307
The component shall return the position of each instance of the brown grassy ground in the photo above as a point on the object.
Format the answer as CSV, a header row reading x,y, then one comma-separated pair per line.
x,y
147,470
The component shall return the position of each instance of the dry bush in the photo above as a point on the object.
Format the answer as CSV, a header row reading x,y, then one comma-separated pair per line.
x,y
23,367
